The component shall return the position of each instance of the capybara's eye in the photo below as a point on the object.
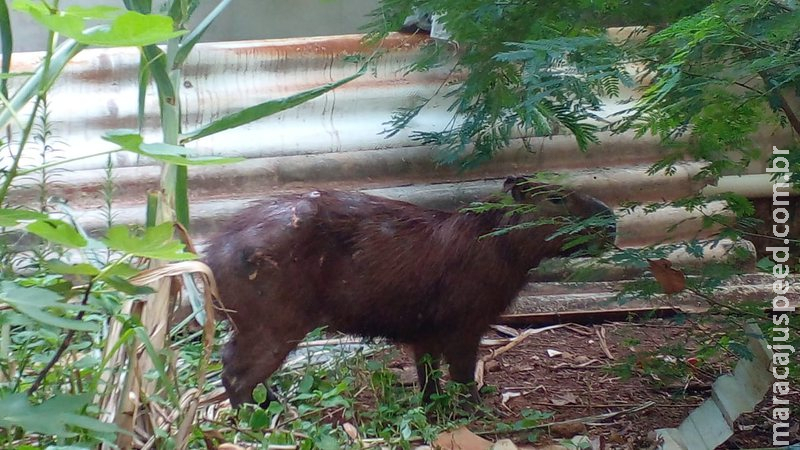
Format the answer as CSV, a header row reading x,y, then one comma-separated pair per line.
x,y
555,199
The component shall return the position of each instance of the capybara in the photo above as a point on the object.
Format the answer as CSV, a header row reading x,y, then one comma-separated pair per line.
x,y
375,267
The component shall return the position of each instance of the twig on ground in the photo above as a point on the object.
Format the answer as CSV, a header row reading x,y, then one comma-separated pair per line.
x,y
586,365
601,336
610,415
616,405
517,340
580,329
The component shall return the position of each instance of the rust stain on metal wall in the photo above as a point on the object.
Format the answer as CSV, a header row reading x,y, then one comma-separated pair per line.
x,y
335,140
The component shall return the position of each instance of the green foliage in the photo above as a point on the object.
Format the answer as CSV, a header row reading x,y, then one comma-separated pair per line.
x,y
34,302
63,292
719,75
6,40
522,76
125,28
356,388
530,68
41,309
55,416
172,154
720,71
530,423
717,336
154,242
265,109
58,232
10,217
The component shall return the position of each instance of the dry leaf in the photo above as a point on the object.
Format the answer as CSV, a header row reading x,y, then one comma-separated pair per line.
x,y
479,370
461,439
492,342
504,444
229,447
553,353
667,358
508,331
350,430
567,430
406,375
508,396
564,399
671,280
616,438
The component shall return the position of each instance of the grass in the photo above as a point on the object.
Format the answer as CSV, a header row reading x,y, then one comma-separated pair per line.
x,y
352,399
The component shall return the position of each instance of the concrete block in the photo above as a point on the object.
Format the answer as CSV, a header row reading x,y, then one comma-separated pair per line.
x,y
671,439
728,395
691,437
711,424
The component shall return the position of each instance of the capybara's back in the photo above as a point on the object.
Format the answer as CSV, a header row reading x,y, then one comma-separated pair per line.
x,y
370,266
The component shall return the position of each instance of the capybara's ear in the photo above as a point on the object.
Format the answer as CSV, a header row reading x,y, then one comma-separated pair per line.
x,y
514,185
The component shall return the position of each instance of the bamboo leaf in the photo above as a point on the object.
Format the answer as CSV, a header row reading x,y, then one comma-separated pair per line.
x,y
189,41
197,161
265,109
127,139
157,360
40,79
182,196
181,11
144,79
7,46
152,209
173,154
142,6
157,65
6,76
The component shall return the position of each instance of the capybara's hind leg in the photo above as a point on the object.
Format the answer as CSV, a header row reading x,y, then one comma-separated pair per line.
x,y
461,353
248,360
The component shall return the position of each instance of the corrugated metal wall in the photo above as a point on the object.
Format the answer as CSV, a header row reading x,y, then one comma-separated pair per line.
x,y
332,141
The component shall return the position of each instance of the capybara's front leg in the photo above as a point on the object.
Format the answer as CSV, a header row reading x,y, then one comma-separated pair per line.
x,y
249,359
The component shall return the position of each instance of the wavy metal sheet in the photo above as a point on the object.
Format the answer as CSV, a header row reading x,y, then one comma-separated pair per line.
x,y
335,140
98,91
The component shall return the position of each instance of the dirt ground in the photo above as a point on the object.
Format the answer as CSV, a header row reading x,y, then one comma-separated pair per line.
x,y
585,380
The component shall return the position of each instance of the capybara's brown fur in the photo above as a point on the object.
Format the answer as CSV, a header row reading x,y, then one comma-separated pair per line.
x,y
373,267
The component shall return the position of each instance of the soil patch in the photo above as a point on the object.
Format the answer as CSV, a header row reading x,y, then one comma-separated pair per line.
x,y
569,372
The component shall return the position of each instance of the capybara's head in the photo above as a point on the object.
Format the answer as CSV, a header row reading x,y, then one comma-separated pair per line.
x,y
576,222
